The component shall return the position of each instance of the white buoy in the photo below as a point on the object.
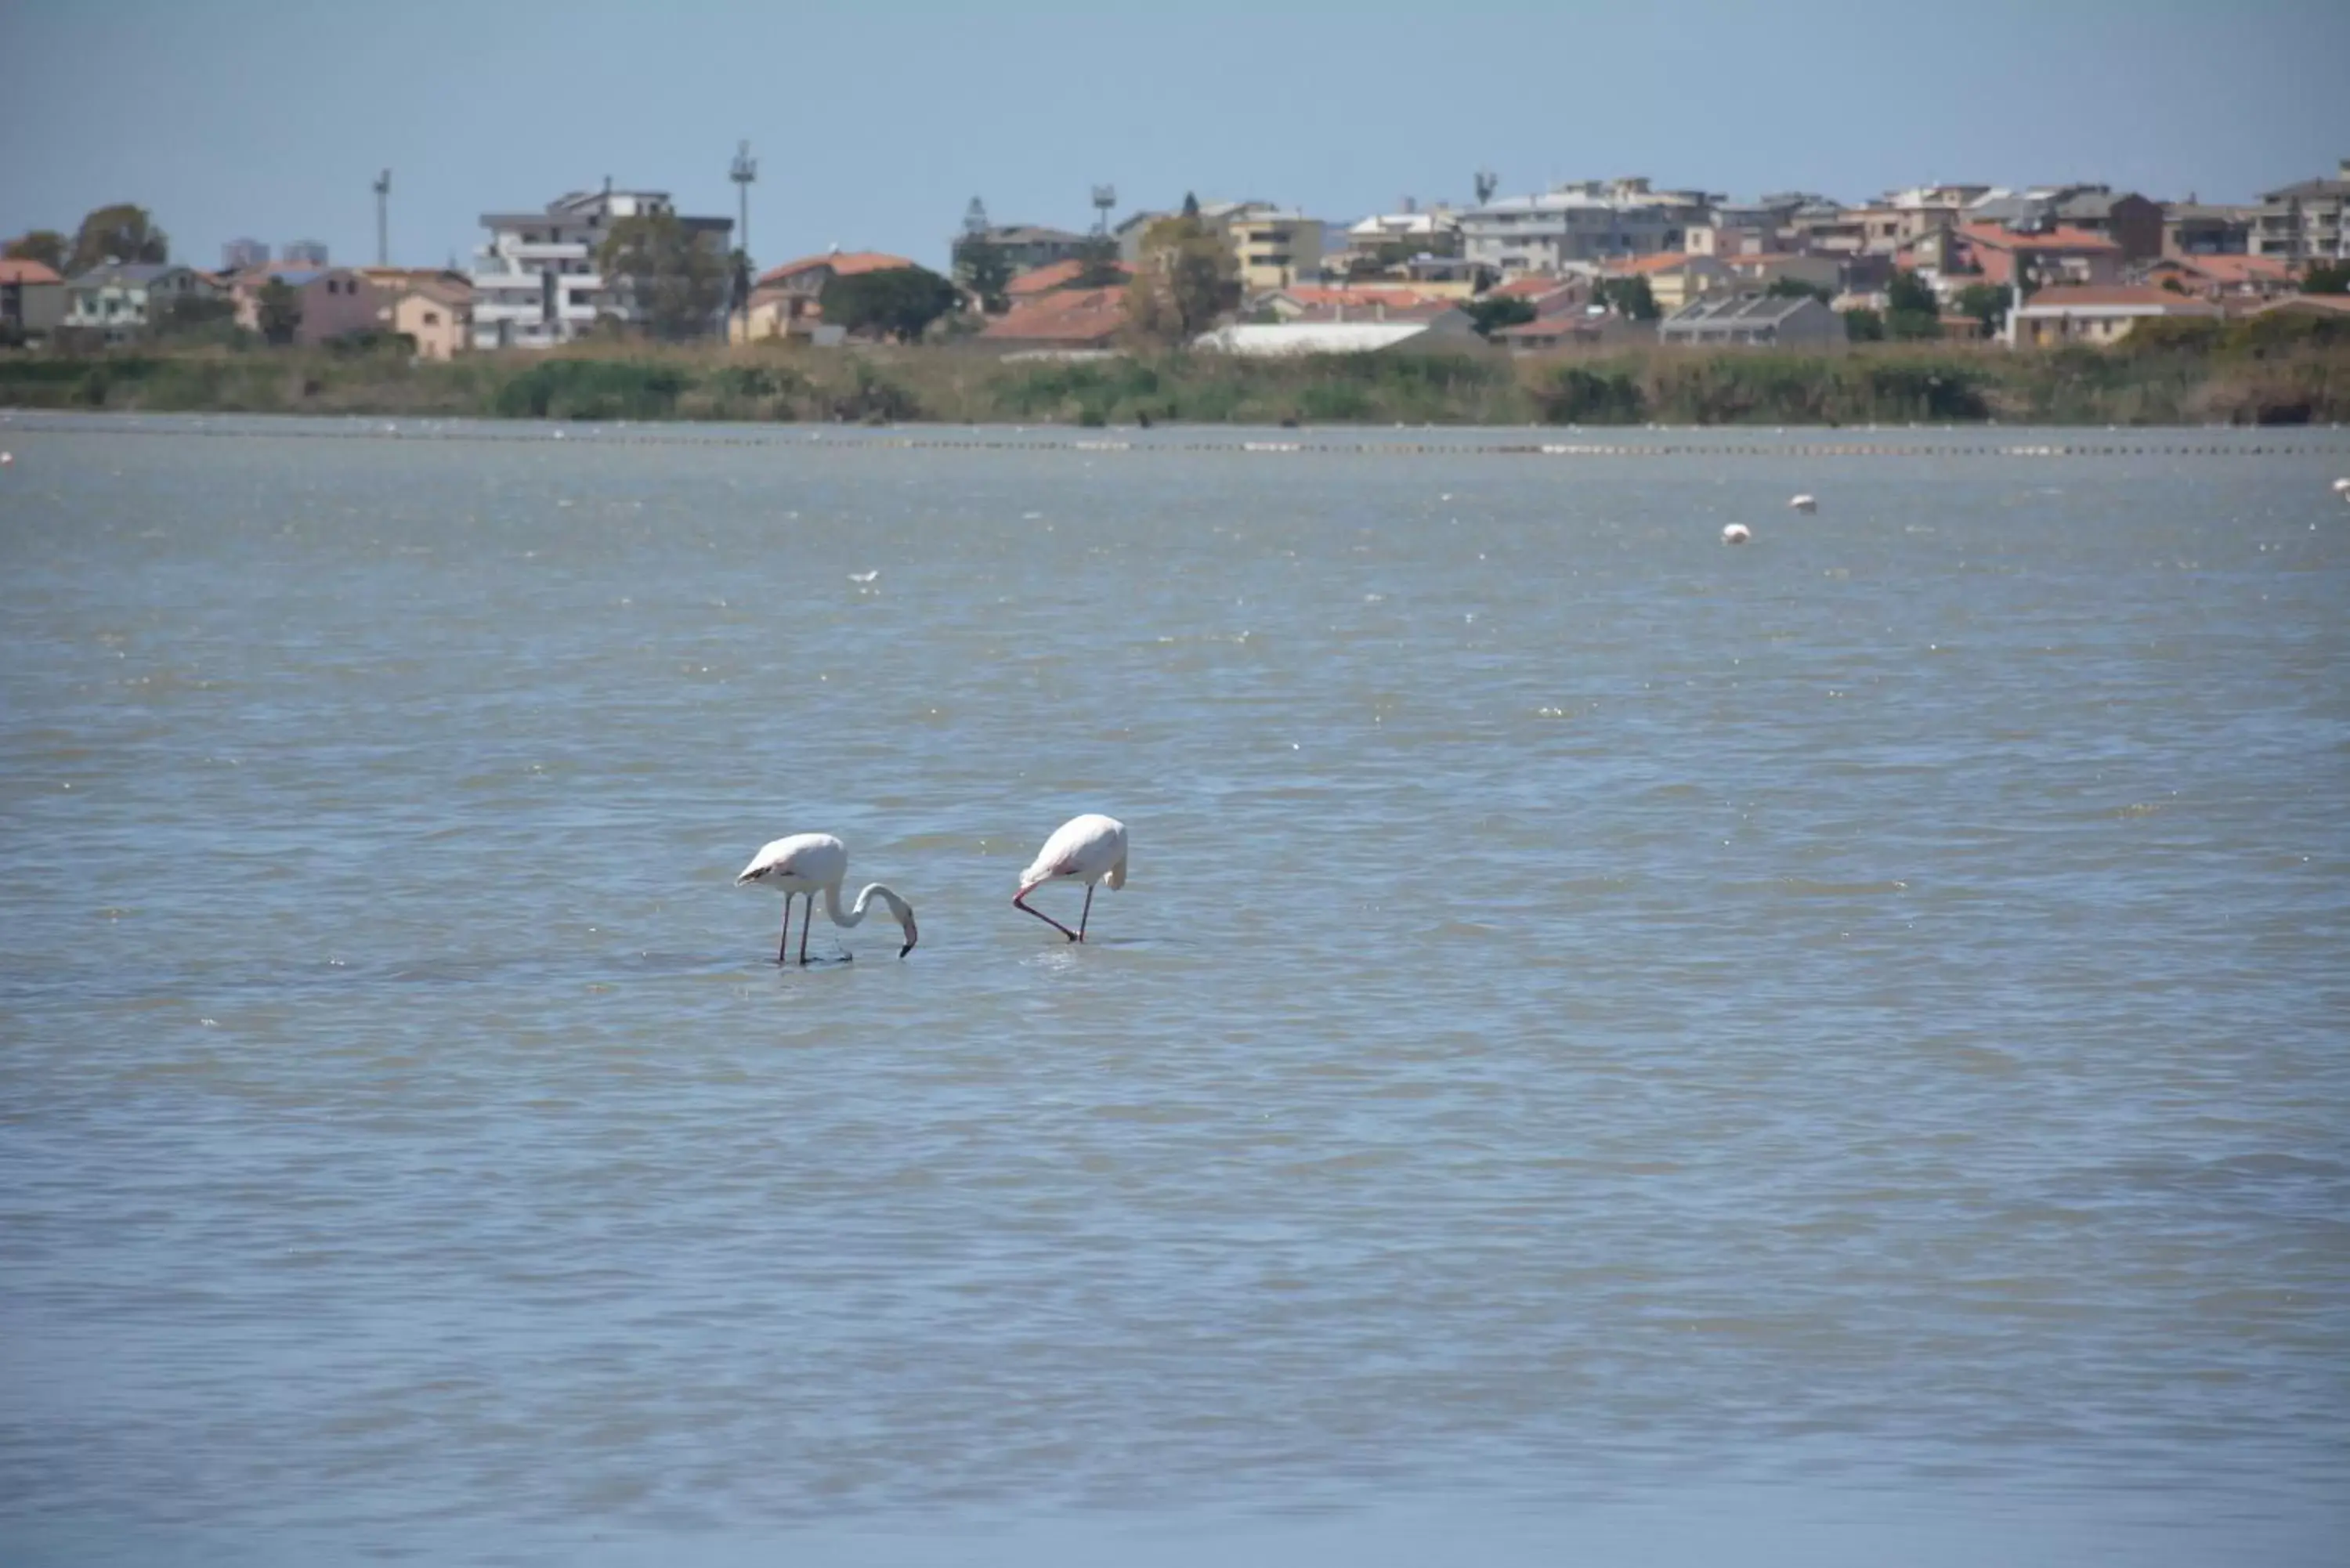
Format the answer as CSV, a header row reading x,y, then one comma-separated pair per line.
x,y
1737,534
1805,504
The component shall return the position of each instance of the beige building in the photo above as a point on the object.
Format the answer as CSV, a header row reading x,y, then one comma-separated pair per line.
x,y
2099,315
438,315
1274,248
1674,278
2306,222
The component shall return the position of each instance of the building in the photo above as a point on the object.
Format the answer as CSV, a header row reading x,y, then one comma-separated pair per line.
x,y
1027,246
32,301
1575,329
303,254
1674,278
1357,302
2060,255
1130,232
1762,270
1386,244
436,313
335,302
2132,223
1280,339
125,300
1272,248
2304,223
1060,274
787,300
1753,320
2222,277
1822,227
1591,221
2191,228
1067,320
536,282
238,255
2098,315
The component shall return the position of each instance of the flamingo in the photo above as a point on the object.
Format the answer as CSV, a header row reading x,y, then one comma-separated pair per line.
x,y
807,863
1091,848
1737,534
1804,503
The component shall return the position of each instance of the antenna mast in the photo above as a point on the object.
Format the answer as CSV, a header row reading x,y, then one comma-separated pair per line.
x,y
383,218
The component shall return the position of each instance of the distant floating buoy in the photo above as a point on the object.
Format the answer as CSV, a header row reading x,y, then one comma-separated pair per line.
x,y
1737,534
1805,504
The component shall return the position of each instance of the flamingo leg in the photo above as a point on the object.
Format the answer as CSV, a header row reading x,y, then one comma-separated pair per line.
x,y
1020,902
784,942
808,919
1089,914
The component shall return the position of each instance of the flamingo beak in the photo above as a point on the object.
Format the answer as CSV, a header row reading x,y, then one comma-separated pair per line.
x,y
912,936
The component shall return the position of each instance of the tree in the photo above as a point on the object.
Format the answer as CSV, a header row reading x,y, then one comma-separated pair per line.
x,y
1630,298
2324,279
662,277
900,301
1796,288
121,233
279,311
1190,206
1864,326
1188,278
46,247
1986,302
1911,311
1097,264
1490,315
982,266
200,316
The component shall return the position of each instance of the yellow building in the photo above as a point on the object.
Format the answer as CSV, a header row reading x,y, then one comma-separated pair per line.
x,y
1274,249
438,318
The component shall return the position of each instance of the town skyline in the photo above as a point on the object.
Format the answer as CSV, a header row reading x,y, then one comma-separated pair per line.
x,y
201,133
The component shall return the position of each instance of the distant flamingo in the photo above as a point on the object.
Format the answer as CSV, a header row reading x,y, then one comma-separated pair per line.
x,y
1737,534
1089,848
1804,503
813,862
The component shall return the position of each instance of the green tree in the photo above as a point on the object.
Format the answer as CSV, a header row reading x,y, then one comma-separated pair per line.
x,y
900,301
121,231
982,266
1630,298
1911,311
1864,326
1097,264
2327,279
1986,302
46,247
1490,315
662,277
279,310
1188,278
1796,288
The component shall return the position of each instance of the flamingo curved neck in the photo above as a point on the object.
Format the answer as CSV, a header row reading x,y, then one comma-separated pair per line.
x,y
856,914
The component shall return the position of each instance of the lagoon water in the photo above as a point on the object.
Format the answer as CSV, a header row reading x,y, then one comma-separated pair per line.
x,y
1614,1049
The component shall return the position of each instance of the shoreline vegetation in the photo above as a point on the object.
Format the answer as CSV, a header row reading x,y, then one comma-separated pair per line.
x,y
2260,370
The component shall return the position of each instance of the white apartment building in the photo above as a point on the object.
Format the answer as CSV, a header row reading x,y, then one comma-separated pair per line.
x,y
1589,221
535,284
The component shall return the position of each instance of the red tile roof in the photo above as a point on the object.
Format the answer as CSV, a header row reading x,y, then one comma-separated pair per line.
x,y
2331,303
1530,288
844,264
2106,295
2232,269
2058,239
1392,295
1075,317
1046,279
26,272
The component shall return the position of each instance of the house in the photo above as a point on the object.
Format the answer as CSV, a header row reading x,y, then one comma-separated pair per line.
x,y
2128,221
1763,269
1759,320
785,302
2331,305
1451,330
1027,246
438,315
1589,221
32,301
1355,302
2098,315
335,302
537,282
1581,329
2191,228
1060,274
1548,295
1130,231
2222,277
1385,243
126,299
2305,222
1272,247
1674,278
1067,320
2060,255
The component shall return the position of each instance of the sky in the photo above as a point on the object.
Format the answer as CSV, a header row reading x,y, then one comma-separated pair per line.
x,y
874,125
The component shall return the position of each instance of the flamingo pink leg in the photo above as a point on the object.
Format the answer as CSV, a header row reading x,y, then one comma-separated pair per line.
x,y
1020,902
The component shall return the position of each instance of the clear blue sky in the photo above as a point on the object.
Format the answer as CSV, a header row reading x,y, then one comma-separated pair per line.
x,y
875,123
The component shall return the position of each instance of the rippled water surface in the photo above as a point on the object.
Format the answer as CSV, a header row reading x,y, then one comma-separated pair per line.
x,y
1832,1047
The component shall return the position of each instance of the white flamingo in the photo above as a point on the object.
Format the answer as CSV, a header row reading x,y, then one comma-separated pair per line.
x,y
1804,503
810,863
1090,850
1737,534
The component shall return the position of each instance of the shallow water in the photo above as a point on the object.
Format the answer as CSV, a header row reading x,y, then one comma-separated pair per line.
x,y
1801,1052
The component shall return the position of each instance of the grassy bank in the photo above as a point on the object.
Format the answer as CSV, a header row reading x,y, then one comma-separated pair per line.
x,y
2272,370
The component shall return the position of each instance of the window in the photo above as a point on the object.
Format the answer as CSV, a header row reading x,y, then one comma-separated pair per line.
x,y
432,319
